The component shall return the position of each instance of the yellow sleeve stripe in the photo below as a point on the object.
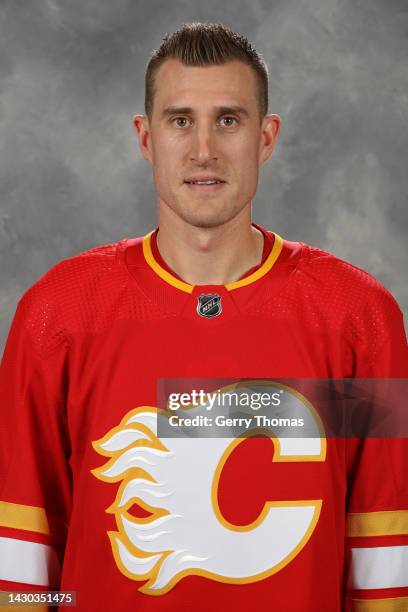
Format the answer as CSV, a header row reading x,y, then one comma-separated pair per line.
x,y
392,604
361,524
29,518
12,607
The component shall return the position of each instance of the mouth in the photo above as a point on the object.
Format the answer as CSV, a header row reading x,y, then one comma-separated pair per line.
x,y
205,183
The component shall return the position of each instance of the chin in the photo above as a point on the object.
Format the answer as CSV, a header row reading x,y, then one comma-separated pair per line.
x,y
206,218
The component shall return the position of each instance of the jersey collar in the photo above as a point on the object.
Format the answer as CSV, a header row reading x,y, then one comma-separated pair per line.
x,y
187,288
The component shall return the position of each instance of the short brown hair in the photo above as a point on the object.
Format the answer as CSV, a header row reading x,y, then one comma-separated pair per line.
x,y
204,44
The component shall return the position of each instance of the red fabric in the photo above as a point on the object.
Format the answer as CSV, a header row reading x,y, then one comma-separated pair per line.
x,y
88,343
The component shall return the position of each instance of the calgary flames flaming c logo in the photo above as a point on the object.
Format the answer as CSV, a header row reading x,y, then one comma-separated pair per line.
x,y
176,481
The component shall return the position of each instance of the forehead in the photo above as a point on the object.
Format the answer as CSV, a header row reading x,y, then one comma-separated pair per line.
x,y
177,84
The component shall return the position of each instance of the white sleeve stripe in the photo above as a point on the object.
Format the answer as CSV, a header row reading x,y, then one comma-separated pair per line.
x,y
382,567
28,562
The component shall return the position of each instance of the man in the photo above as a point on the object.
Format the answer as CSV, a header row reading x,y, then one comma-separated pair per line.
x,y
93,500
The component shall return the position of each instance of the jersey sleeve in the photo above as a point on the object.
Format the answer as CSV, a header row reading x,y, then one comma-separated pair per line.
x,y
377,504
35,475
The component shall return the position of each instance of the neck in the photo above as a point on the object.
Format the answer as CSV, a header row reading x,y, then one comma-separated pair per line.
x,y
210,255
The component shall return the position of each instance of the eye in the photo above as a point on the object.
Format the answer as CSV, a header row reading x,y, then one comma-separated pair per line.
x,y
180,119
229,119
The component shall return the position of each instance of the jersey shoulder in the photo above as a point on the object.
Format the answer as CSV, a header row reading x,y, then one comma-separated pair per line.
x,y
76,294
341,279
347,293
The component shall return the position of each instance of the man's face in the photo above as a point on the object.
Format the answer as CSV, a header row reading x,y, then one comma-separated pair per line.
x,y
206,126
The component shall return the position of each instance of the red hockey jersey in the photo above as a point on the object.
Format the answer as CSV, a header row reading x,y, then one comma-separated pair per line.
x,y
93,501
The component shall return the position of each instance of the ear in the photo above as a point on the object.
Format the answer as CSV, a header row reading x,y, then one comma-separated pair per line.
x,y
142,126
270,129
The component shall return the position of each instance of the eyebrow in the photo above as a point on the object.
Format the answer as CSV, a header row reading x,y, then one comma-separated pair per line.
x,y
186,110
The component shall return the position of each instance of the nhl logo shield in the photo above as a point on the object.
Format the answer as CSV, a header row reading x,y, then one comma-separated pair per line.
x,y
209,305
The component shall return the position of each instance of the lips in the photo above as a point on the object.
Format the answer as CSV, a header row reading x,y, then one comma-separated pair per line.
x,y
204,180
205,187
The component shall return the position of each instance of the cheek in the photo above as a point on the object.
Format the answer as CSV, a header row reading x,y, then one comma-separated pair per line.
x,y
166,169
245,152
161,148
246,164
161,151
169,152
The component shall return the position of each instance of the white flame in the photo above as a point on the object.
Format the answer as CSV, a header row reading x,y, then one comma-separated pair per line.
x,y
185,534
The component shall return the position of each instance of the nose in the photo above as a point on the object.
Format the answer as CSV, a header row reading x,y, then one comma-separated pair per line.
x,y
203,145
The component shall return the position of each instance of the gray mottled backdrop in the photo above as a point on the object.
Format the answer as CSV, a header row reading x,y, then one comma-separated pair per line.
x,y
71,78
